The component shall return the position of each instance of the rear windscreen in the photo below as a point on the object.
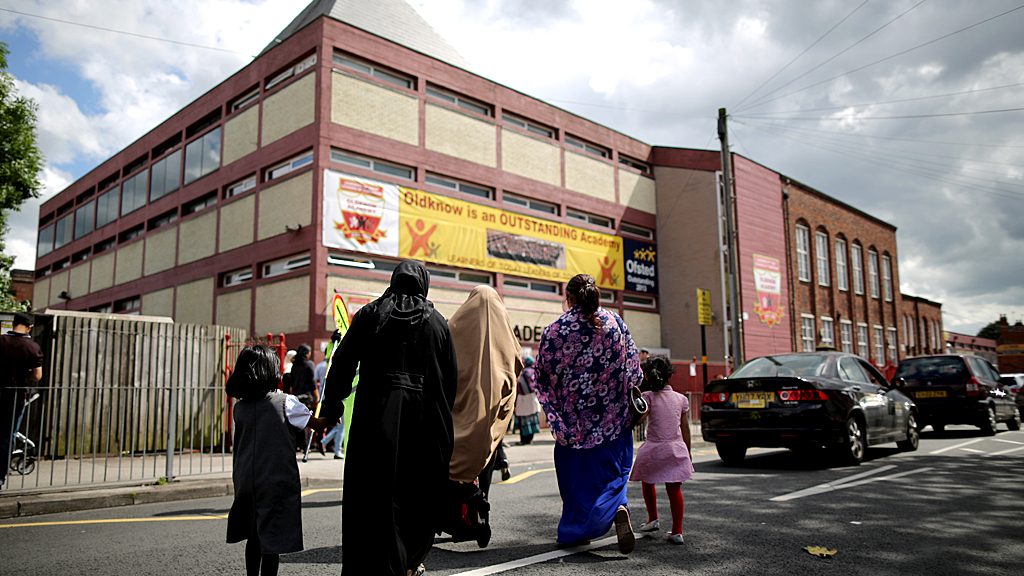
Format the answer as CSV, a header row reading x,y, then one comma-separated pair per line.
x,y
931,369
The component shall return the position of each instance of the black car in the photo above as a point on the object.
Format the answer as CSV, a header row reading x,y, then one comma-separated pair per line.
x,y
958,389
808,399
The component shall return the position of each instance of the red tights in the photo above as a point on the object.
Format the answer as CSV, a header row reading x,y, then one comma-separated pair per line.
x,y
675,500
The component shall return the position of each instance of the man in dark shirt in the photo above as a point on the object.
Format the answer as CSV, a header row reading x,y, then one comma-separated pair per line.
x,y
21,361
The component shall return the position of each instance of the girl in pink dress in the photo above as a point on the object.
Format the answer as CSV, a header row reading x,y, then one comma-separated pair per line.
x,y
664,457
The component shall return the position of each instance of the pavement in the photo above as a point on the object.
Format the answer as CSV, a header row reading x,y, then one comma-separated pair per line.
x,y
318,472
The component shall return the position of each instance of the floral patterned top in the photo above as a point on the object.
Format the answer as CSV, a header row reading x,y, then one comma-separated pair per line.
x,y
584,375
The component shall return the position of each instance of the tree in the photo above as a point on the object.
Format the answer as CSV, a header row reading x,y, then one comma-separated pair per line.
x,y
991,331
20,165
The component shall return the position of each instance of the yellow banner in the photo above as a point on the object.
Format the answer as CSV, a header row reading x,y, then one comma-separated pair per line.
x,y
447,231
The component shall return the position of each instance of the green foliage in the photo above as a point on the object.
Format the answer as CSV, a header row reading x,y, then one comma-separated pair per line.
x,y
20,165
991,331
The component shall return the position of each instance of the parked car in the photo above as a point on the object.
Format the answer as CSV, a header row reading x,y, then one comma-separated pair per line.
x,y
1015,385
808,399
957,389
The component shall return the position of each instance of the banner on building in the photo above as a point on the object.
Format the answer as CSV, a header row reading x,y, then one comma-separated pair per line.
x,y
768,281
364,215
641,266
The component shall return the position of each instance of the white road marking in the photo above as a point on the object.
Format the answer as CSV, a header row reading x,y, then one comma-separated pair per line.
x,y
513,564
955,446
1007,451
1007,441
973,450
847,483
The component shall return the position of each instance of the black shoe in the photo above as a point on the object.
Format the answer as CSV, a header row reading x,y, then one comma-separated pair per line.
x,y
505,473
320,449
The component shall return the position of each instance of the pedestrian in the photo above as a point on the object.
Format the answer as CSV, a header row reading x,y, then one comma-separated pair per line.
x,y
303,387
586,365
664,458
527,420
267,508
489,361
400,441
21,362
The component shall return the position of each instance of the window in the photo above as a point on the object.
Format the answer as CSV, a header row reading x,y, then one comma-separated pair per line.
x,y
81,255
133,193
130,234
924,333
102,309
635,164
464,187
373,70
641,301
84,218
589,218
290,166
104,245
534,285
523,201
106,208
862,340
890,334
936,341
879,346
244,101
608,297
166,176
236,277
62,232
459,101
846,335
202,155
45,245
292,71
821,257
128,305
887,278
873,272
828,333
528,126
163,219
803,256
586,147
335,259
841,282
857,268
474,278
285,265
397,170
241,186
201,203
636,230
807,332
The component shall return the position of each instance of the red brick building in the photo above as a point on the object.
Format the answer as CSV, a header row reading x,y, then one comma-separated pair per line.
x,y
967,344
921,327
1010,347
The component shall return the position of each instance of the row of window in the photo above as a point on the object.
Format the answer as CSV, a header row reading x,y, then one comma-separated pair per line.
x,y
925,334
882,344
878,285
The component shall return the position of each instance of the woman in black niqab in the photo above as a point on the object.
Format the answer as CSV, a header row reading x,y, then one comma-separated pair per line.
x,y
400,442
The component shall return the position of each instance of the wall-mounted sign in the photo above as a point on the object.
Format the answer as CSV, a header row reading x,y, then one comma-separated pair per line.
x,y
704,307
641,266
528,333
768,281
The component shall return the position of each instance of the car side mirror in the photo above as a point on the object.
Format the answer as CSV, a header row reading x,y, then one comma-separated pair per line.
x,y
898,383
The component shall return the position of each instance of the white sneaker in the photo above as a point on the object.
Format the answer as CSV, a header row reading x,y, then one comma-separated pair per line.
x,y
675,538
650,526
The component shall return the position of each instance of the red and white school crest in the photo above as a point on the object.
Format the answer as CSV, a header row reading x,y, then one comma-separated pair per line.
x,y
362,207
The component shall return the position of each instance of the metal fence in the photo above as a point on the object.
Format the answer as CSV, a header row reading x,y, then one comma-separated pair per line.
x,y
126,399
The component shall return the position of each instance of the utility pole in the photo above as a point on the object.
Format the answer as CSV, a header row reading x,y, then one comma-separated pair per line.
x,y
730,232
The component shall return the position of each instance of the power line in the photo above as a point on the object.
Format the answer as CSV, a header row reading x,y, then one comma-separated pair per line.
x,y
904,117
893,138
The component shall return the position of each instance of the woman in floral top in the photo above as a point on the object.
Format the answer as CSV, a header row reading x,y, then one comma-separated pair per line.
x,y
586,364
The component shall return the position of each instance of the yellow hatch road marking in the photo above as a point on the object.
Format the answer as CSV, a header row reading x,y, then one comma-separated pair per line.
x,y
524,476
305,493
116,521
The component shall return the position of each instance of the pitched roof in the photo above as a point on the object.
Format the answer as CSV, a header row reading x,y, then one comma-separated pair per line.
x,y
393,20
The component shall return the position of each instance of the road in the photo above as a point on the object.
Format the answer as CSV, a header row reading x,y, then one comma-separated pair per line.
x,y
956,506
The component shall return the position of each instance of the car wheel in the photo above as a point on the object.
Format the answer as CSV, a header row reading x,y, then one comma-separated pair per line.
x,y
913,436
988,426
1014,423
731,454
854,445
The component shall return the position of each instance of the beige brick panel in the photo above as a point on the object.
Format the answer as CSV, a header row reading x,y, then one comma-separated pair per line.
x,y
78,284
645,327
236,223
282,307
447,300
589,176
102,272
41,294
241,135
129,263
159,303
58,284
637,191
198,238
371,108
235,309
527,312
530,158
160,250
195,302
289,109
461,136
286,204
349,287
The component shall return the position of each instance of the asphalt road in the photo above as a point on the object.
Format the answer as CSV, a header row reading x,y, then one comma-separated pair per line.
x,y
956,506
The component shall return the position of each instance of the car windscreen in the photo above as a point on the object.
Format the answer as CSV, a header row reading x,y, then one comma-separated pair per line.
x,y
949,368
784,365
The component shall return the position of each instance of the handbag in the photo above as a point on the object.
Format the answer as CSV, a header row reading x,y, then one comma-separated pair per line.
x,y
638,406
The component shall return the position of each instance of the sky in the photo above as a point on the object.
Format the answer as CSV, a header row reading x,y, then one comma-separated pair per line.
x,y
910,110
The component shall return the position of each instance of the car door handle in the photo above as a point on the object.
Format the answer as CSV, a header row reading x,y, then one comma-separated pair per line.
x,y
856,388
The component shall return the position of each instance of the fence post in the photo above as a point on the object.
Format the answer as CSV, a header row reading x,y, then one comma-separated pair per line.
x,y
172,421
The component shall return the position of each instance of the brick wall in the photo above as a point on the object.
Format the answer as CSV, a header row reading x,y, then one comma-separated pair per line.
x,y
460,136
241,135
286,204
283,306
375,109
194,303
235,309
637,191
289,109
159,303
589,176
102,272
129,263
198,238
531,158
237,221
160,250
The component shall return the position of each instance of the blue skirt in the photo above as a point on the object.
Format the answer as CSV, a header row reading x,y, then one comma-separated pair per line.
x,y
592,483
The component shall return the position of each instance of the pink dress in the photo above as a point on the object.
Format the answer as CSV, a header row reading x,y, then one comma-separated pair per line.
x,y
663,457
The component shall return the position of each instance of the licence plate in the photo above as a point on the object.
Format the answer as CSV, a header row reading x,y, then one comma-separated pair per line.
x,y
753,399
930,394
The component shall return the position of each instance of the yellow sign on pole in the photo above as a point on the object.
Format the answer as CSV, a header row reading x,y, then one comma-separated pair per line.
x,y
704,307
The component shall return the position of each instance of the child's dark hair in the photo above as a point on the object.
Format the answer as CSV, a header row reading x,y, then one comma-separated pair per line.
x,y
658,370
302,353
587,295
257,372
